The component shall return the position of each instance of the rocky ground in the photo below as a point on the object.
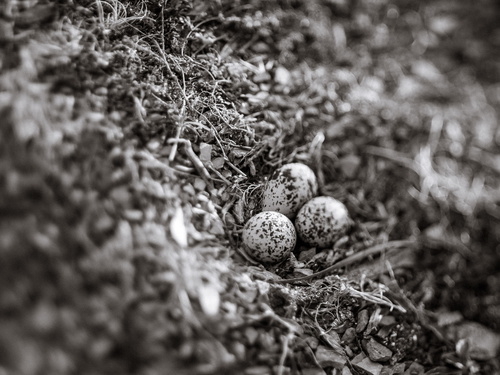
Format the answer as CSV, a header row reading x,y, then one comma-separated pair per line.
x,y
135,141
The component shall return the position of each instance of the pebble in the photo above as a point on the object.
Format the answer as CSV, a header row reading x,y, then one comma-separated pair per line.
x,y
313,371
387,320
364,363
415,369
133,215
327,357
447,318
349,335
398,368
239,350
248,294
251,335
377,352
262,77
362,321
257,370
349,165
312,342
484,344
393,370
282,76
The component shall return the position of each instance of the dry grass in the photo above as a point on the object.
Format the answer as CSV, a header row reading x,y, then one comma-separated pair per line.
x,y
136,138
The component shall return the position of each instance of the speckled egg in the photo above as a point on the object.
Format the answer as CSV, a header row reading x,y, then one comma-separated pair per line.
x,y
289,188
322,221
269,237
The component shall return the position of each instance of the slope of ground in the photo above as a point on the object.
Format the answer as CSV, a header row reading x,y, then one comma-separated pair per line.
x,y
135,141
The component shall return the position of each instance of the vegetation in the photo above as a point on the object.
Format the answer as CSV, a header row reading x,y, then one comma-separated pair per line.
x,y
136,137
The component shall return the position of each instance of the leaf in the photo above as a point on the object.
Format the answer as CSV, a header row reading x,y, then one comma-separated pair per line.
x,y
178,229
209,299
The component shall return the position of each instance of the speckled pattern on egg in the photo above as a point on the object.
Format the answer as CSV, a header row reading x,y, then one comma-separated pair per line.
x,y
322,221
289,188
269,237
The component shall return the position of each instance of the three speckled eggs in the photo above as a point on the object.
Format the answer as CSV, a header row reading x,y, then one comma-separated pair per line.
x,y
290,194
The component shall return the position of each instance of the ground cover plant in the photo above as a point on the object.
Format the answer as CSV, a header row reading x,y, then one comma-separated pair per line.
x,y
136,138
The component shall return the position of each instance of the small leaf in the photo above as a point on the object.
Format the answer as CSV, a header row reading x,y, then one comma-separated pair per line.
x,y
178,228
209,299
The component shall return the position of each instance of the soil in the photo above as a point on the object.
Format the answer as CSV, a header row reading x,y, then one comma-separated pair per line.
x,y
136,139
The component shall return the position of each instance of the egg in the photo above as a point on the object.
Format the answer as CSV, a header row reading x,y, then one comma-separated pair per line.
x,y
269,237
322,221
289,188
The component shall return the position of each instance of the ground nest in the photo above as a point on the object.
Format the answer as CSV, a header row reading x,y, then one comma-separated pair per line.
x,y
136,138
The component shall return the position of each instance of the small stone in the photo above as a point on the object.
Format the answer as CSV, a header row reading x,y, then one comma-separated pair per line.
x,y
332,338
348,352
262,77
218,162
307,255
307,359
387,320
133,215
371,368
120,196
447,318
251,335
282,76
484,344
376,351
313,371
312,342
280,369
199,184
205,152
153,188
362,321
267,343
260,47
415,369
384,332
443,25
238,349
248,294
257,370
360,357
216,226
393,370
153,145
398,368
330,358
349,165
349,335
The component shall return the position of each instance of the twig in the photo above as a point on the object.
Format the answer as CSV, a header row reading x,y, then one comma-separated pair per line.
x,y
352,259
379,300
284,353
393,155
195,160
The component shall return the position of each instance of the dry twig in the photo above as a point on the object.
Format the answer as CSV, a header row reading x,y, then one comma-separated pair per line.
x,y
352,259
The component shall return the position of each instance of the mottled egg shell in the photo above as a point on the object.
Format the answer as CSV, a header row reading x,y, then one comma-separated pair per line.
x,y
269,237
322,221
289,188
